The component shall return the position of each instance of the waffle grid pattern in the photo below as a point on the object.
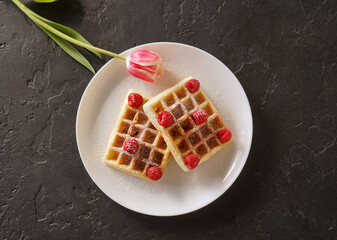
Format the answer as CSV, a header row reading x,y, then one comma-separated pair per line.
x,y
186,136
152,148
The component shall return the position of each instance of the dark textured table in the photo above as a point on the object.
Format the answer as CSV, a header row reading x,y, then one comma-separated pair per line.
x,y
284,54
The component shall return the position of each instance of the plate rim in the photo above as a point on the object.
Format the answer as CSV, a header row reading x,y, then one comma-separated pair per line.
x,y
233,179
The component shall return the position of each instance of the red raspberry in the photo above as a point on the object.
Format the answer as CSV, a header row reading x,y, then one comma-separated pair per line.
x,y
192,85
131,145
192,161
154,173
165,119
135,100
199,116
225,135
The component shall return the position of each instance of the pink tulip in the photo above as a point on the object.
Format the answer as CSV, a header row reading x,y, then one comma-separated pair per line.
x,y
145,65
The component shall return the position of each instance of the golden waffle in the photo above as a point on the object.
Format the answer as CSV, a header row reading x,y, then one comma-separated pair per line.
x,y
184,137
152,150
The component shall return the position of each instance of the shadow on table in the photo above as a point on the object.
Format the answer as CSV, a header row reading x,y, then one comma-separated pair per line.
x,y
241,199
61,11
69,13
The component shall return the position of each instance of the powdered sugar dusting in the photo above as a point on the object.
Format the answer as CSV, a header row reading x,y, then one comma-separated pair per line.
x,y
131,145
200,116
177,192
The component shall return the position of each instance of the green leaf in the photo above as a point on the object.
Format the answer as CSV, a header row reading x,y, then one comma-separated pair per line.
x,y
70,49
45,1
66,30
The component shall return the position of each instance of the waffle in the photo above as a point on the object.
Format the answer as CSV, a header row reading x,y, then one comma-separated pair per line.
x,y
152,150
184,137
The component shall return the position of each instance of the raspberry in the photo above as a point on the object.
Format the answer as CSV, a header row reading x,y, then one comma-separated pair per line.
x,y
131,145
154,173
135,100
199,116
225,135
165,119
192,161
192,85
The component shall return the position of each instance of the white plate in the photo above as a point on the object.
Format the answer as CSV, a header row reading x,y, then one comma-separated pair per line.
x,y
178,192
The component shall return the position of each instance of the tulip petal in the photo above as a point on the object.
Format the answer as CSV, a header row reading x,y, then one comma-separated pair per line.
x,y
145,65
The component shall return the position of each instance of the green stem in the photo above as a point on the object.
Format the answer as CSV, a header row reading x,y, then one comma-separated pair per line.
x,y
64,36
